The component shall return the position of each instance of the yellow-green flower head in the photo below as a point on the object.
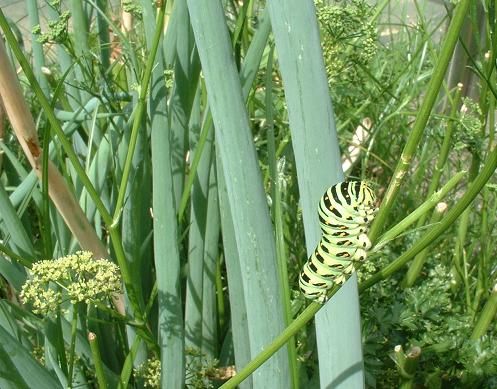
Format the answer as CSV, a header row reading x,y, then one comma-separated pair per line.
x,y
78,277
150,371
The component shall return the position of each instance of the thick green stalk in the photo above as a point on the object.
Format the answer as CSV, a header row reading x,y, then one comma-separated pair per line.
x,y
80,29
439,229
186,76
196,243
317,159
171,331
187,190
210,329
97,361
407,364
247,75
432,91
236,318
487,316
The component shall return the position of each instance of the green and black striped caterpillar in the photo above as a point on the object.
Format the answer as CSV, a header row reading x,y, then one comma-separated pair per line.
x,y
345,211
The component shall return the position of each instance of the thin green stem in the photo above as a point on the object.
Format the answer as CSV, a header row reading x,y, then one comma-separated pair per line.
x,y
422,210
74,329
422,117
140,110
207,127
281,254
418,262
279,342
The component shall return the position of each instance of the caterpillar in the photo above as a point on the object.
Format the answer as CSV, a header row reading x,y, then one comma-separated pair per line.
x,y
345,211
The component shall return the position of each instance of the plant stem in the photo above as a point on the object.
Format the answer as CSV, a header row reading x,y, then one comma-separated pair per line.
x,y
74,329
279,342
486,317
97,360
140,109
439,229
422,117
422,210
277,214
417,264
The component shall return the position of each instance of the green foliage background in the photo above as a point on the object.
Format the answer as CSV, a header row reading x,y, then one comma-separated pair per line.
x,y
197,144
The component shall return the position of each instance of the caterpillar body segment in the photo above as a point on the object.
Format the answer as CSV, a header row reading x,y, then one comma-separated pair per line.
x,y
360,240
345,211
343,214
353,193
330,252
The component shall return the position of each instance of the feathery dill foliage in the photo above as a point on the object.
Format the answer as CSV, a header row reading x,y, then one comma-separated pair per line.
x,y
349,40
469,134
